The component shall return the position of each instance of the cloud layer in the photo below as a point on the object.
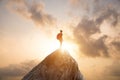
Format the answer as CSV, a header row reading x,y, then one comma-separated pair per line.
x,y
32,10
16,70
112,72
99,12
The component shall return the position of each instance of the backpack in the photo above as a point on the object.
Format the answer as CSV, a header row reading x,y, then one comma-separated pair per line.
x,y
58,36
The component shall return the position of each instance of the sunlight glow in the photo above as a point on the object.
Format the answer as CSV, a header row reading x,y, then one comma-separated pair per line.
x,y
70,47
41,50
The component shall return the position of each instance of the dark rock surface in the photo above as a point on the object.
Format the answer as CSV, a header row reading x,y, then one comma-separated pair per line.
x,y
59,65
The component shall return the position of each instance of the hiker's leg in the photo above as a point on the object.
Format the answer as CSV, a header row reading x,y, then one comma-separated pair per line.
x,y
60,43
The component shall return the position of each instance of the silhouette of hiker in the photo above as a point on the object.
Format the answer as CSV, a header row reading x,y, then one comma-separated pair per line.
x,y
59,37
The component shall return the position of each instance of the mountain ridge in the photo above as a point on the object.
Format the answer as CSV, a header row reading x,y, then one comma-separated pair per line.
x,y
58,65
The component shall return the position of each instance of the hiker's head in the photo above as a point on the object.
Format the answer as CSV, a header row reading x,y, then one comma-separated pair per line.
x,y
60,30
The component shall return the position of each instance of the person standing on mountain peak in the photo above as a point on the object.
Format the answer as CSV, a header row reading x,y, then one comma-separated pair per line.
x,y
59,37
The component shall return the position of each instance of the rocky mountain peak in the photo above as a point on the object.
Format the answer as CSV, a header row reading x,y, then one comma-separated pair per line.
x,y
59,65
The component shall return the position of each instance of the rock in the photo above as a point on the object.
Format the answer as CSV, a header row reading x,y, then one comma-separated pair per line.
x,y
59,65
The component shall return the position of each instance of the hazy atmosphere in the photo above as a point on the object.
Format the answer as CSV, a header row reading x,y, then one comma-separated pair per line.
x,y
91,33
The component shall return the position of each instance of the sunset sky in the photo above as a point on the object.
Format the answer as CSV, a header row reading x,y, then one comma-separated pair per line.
x,y
91,32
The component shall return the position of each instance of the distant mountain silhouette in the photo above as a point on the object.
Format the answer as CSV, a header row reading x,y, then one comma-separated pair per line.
x,y
59,65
